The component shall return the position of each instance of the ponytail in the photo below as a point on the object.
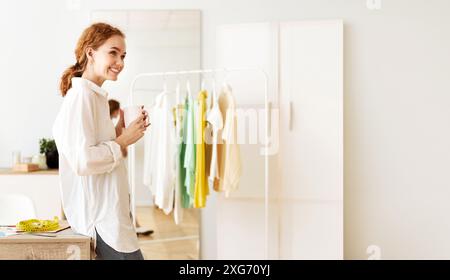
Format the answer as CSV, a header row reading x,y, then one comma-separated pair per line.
x,y
66,79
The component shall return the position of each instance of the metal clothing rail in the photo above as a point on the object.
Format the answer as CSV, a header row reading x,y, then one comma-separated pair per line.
x,y
226,71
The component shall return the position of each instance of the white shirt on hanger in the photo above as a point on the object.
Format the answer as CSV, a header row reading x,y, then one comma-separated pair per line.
x,y
214,117
160,153
93,176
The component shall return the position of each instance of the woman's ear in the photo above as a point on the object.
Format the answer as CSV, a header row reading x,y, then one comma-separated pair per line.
x,y
90,54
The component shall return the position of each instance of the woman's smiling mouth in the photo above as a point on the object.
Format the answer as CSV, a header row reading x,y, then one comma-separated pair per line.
x,y
114,70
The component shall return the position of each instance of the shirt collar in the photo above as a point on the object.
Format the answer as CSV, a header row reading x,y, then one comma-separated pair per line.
x,y
90,84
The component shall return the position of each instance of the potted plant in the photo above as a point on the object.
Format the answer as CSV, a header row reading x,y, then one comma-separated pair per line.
x,y
48,147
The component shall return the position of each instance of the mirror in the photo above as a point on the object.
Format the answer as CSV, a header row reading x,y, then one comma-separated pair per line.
x,y
157,40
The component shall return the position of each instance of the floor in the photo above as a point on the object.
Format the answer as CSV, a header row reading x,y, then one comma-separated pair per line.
x,y
169,241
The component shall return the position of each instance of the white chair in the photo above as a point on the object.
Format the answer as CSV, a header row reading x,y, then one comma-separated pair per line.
x,y
15,208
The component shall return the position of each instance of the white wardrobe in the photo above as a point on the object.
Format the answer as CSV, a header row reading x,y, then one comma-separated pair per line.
x,y
304,61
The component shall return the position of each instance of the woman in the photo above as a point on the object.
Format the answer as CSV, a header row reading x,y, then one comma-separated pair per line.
x,y
92,171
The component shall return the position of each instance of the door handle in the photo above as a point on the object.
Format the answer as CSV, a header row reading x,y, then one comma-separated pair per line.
x,y
290,115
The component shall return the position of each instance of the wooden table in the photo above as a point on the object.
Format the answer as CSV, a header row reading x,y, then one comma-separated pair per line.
x,y
9,171
67,245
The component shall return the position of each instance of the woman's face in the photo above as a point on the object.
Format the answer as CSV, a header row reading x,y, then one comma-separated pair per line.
x,y
108,59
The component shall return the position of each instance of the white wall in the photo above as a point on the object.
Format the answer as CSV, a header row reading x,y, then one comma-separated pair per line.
x,y
396,101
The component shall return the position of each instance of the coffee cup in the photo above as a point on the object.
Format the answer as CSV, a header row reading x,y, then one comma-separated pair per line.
x,y
131,113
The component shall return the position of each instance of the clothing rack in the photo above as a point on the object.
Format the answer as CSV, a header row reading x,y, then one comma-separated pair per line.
x,y
265,150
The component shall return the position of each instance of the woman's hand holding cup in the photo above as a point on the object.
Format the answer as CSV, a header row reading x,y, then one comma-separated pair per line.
x,y
134,131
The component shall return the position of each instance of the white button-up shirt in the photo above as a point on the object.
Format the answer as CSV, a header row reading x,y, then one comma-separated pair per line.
x,y
93,176
160,148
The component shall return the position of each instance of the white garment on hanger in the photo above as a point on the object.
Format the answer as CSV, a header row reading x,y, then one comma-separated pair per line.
x,y
160,152
214,117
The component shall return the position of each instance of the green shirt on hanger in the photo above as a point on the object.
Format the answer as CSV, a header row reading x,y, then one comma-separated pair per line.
x,y
189,154
185,198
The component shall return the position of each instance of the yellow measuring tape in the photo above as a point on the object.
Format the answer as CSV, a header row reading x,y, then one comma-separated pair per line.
x,y
35,225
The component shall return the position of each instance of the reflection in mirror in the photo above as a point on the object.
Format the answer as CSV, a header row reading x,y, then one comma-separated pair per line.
x,y
159,40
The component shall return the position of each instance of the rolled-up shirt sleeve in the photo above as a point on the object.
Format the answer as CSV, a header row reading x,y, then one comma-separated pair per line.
x,y
78,139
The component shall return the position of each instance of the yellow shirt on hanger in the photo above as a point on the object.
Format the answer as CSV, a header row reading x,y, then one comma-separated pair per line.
x,y
201,182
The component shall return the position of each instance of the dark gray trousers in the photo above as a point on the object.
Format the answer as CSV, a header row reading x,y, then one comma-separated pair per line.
x,y
105,252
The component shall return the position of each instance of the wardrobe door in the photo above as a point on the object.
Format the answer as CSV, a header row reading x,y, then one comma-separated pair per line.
x,y
305,210
311,140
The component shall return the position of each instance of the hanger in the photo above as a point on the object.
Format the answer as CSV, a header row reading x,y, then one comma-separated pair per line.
x,y
188,88
214,95
225,85
165,83
177,90
203,83
225,78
